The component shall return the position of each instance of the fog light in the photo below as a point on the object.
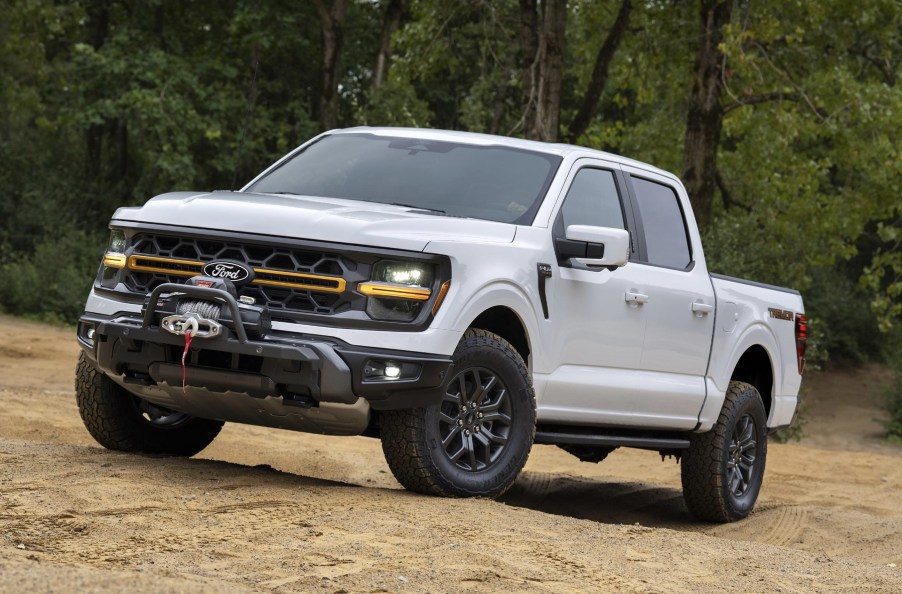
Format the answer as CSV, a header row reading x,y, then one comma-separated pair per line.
x,y
375,370
392,370
86,334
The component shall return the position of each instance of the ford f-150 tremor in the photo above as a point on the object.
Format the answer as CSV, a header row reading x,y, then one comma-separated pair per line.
x,y
460,296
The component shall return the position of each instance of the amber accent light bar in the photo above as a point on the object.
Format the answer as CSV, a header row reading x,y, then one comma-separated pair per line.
x,y
141,263
264,276
114,260
441,296
391,291
312,282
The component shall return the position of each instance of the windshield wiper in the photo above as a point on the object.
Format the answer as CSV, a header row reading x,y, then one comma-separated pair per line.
x,y
426,208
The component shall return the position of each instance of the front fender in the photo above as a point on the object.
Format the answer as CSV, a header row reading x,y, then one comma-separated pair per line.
x,y
498,294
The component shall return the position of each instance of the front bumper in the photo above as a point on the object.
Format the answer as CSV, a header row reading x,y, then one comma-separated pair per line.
x,y
281,370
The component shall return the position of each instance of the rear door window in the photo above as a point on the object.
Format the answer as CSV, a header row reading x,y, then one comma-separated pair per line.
x,y
666,239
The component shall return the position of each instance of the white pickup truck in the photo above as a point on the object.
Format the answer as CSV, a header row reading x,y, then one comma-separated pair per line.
x,y
461,296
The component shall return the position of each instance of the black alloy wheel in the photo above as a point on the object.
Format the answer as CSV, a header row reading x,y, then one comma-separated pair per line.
x,y
475,419
741,461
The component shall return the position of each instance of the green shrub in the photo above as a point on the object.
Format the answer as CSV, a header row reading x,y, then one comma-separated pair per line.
x,y
52,282
843,326
796,429
893,405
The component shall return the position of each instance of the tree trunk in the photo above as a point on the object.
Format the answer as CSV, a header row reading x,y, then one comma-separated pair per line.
x,y
527,59
600,72
705,117
331,26
99,23
390,23
546,123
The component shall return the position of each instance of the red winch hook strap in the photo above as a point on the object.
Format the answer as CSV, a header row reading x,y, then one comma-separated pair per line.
x,y
184,362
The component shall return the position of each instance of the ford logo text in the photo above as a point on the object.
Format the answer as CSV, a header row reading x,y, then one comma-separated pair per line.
x,y
227,270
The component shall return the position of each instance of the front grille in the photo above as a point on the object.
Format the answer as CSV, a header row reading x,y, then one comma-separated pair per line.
x,y
287,280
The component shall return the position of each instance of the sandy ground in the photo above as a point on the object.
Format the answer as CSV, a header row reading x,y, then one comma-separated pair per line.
x,y
271,511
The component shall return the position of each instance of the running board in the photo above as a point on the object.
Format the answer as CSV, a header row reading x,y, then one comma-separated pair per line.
x,y
628,441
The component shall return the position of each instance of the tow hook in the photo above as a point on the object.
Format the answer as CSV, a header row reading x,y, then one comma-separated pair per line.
x,y
198,327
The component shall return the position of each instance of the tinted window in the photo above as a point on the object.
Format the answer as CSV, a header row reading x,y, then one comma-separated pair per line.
x,y
593,200
662,221
496,183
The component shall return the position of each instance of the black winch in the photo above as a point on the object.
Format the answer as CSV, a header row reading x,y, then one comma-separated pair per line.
x,y
198,306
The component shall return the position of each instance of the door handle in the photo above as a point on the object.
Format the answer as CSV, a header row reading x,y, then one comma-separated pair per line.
x,y
700,308
634,298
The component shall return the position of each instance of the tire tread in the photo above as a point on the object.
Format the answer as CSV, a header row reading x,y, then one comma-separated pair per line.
x,y
703,488
112,420
405,442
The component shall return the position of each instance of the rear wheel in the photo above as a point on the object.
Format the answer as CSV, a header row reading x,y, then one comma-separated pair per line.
x,y
119,420
723,469
476,441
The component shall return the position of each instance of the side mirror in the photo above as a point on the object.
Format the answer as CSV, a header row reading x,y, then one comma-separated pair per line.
x,y
604,246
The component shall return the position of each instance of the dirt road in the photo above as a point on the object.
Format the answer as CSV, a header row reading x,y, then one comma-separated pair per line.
x,y
268,511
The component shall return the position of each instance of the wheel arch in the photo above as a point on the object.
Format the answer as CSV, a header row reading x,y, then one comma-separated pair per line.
x,y
505,309
755,367
751,358
505,322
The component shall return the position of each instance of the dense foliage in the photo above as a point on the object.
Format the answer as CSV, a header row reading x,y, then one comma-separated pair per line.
x,y
893,405
783,116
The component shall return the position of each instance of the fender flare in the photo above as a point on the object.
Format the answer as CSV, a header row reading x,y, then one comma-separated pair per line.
x,y
511,296
757,334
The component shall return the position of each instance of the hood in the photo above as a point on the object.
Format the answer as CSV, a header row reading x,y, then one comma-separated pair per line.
x,y
306,217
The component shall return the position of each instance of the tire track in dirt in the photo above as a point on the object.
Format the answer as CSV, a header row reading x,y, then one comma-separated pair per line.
x,y
786,524
40,533
551,556
124,511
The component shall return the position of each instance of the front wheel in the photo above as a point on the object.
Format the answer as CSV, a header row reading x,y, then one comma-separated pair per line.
x,y
119,420
476,441
723,469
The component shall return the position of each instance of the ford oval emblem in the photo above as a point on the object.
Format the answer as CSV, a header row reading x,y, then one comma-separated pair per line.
x,y
231,271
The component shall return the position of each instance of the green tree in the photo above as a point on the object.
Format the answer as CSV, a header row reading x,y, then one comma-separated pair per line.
x,y
782,117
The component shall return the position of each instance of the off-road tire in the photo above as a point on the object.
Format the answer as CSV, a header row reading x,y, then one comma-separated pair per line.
x,y
113,417
713,491
412,438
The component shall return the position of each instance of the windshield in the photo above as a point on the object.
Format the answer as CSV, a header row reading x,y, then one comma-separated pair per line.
x,y
495,183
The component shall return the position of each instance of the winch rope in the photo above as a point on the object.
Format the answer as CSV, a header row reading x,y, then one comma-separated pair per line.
x,y
184,362
205,309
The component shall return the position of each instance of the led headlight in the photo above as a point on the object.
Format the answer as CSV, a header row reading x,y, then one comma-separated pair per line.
x,y
117,242
398,289
113,259
115,251
412,274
